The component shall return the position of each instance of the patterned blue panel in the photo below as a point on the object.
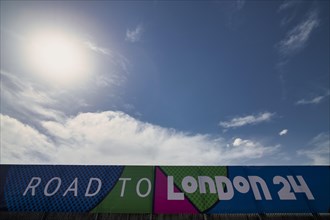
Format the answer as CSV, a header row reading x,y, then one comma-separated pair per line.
x,y
3,174
20,177
317,179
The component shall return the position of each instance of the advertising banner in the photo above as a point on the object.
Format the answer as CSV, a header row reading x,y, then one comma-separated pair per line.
x,y
165,189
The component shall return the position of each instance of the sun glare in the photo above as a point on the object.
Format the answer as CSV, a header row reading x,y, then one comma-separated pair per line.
x,y
57,57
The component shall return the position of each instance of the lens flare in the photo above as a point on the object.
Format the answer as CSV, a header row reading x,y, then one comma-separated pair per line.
x,y
57,57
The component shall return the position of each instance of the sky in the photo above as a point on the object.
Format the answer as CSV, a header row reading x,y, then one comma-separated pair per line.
x,y
165,83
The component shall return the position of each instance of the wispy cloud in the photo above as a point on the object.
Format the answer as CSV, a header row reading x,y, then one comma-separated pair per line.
x,y
319,150
117,138
288,17
134,35
101,50
29,101
115,58
239,4
287,4
313,101
297,38
231,11
247,120
283,132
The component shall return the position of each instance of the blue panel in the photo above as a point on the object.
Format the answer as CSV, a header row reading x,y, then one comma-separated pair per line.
x,y
20,177
3,174
317,179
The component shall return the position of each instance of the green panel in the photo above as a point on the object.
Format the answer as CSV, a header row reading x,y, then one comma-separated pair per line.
x,y
201,201
130,201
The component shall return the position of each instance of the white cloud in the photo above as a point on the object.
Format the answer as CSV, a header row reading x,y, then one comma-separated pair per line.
x,y
239,142
23,144
116,138
319,150
23,98
297,38
315,100
247,120
135,35
250,149
283,132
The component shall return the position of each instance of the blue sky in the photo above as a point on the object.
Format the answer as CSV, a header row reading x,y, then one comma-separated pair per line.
x,y
198,82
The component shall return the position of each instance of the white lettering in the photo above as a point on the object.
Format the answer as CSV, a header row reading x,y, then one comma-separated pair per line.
x,y
138,187
303,188
32,187
241,184
219,181
171,195
189,184
223,186
123,186
253,181
59,181
285,192
202,180
73,187
90,184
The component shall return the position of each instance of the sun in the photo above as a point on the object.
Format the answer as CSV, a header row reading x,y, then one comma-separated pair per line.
x,y
57,57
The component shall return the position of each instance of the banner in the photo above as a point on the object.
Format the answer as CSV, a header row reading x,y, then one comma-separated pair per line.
x,y
165,189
